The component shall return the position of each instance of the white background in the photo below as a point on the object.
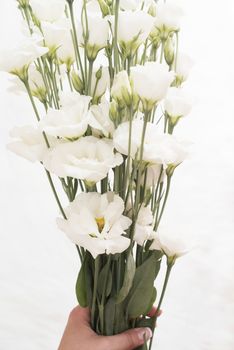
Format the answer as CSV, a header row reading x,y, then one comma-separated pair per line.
x,y
38,265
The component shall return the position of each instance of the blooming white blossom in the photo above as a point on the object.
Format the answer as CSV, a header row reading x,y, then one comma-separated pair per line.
x,y
98,35
172,244
35,81
154,174
88,159
71,121
16,60
29,143
158,148
121,89
168,18
100,119
100,81
177,104
144,226
56,33
151,82
183,66
95,222
50,11
133,29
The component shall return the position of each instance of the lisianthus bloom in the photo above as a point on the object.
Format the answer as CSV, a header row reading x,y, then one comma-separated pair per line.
x,y
154,174
100,119
162,149
171,244
100,82
50,11
56,33
89,159
29,143
121,89
95,222
144,226
133,29
97,36
177,104
168,18
151,82
36,83
71,121
16,60
183,67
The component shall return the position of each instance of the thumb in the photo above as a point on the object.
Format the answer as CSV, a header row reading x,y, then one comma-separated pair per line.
x,y
130,339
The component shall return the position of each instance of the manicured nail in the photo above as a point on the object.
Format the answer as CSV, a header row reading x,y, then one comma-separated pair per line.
x,y
145,333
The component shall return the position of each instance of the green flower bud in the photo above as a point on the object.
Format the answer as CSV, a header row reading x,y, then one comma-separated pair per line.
x,y
114,113
169,50
77,82
104,7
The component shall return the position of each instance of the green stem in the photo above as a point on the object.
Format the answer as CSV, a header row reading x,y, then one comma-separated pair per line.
x,y
96,274
167,276
164,202
116,51
75,41
90,78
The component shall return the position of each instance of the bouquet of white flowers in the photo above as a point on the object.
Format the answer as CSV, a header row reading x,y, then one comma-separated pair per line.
x,y
110,77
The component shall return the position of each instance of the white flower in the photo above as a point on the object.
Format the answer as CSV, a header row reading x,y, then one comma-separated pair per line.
x,y
144,226
98,35
48,10
172,244
121,89
100,119
65,52
56,33
71,121
29,143
154,173
151,82
100,82
162,149
95,222
168,17
16,60
133,29
183,66
88,159
35,80
177,104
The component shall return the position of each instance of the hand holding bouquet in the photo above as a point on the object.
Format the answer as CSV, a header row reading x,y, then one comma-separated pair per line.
x,y
110,77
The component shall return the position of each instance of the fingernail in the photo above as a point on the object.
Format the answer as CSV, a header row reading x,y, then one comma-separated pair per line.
x,y
145,333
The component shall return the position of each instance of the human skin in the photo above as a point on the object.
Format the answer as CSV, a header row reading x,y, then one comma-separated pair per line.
x,y
78,334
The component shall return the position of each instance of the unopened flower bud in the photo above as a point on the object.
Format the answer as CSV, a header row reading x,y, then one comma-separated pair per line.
x,y
169,47
77,82
121,90
113,110
152,10
104,7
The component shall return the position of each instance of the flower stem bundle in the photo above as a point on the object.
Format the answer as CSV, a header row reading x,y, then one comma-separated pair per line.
x,y
106,83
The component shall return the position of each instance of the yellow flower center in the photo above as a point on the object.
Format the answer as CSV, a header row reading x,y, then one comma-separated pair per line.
x,y
101,223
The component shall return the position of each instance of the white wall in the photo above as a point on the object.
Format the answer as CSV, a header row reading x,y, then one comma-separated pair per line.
x,y
38,265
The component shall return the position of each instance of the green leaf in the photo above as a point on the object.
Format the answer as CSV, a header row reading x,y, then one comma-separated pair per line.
x,y
105,273
81,286
142,289
128,279
110,316
152,300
